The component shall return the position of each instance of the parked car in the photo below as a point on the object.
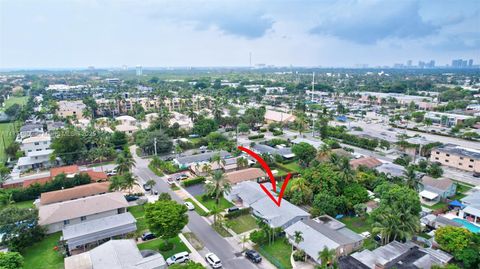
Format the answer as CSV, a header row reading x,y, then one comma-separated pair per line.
x,y
253,256
189,206
233,209
178,258
148,236
131,198
110,173
476,174
147,187
213,260
182,177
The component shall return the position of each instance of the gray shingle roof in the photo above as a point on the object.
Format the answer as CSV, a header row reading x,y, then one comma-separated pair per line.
x,y
202,157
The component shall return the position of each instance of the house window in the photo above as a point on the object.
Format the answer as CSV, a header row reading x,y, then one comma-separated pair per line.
x,y
438,152
446,161
436,158
84,218
460,164
448,155
66,222
471,160
36,143
471,166
461,158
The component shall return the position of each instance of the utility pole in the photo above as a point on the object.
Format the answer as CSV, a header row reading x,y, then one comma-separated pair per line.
x,y
155,145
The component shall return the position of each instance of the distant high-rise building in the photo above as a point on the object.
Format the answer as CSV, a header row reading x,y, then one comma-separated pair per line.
x,y
139,70
431,64
409,63
470,62
457,63
421,64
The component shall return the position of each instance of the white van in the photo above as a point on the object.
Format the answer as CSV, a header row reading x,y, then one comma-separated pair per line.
x,y
178,258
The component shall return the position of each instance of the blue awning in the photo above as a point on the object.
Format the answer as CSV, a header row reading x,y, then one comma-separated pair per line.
x,y
456,203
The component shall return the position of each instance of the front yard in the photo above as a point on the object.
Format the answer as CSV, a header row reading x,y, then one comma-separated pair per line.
x,y
42,254
139,213
210,203
158,245
278,253
242,224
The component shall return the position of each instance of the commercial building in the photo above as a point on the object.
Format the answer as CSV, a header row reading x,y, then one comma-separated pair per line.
x,y
71,109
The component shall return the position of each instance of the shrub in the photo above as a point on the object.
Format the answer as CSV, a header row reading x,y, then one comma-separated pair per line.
x,y
277,132
263,130
259,136
238,213
193,181
258,237
299,255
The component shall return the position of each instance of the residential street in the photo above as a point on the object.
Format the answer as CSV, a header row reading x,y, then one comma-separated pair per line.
x,y
200,227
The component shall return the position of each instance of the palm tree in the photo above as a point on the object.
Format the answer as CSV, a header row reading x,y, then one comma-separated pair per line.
x,y
324,152
334,159
206,168
218,186
327,256
301,185
129,182
217,159
151,183
413,181
244,240
191,113
178,149
124,164
242,162
297,238
216,214
345,169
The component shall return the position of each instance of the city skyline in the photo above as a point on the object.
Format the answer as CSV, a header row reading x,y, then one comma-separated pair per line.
x,y
77,34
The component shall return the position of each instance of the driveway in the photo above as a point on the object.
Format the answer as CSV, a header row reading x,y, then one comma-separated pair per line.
x,y
197,189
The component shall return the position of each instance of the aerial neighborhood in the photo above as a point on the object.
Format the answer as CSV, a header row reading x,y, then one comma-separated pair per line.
x,y
112,173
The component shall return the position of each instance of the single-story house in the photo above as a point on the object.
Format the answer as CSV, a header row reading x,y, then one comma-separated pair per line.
x,y
186,161
249,174
278,216
285,152
391,169
322,232
471,211
436,189
396,255
58,215
116,254
74,193
370,162
245,193
315,143
95,232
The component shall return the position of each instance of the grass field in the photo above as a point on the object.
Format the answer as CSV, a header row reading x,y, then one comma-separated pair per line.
x,y
278,253
42,255
178,246
7,136
22,100
24,204
357,224
242,224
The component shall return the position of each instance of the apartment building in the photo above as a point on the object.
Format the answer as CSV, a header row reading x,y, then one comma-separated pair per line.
x,y
448,119
37,152
457,157
71,109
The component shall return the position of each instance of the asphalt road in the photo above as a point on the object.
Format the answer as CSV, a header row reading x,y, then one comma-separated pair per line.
x,y
202,230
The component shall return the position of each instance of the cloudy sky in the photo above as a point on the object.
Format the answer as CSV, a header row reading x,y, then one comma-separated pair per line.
x,y
112,33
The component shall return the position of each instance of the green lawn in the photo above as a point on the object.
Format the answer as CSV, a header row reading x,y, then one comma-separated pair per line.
x,y
436,206
24,204
293,166
210,203
42,256
7,134
242,224
278,253
221,231
357,224
22,100
199,210
138,212
178,246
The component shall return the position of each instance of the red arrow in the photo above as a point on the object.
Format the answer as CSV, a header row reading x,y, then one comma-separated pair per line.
x,y
270,175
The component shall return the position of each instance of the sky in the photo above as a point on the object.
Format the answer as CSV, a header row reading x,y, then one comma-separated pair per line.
x,y
184,33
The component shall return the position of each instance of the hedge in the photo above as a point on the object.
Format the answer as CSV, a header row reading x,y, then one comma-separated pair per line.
x,y
193,181
256,136
238,213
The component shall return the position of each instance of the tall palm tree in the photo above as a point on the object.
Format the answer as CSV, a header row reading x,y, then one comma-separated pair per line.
x,y
129,181
218,186
324,152
413,182
327,256
217,159
124,164
334,159
297,238
385,225
345,169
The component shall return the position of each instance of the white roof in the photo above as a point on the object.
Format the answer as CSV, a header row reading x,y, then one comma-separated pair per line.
x,y
126,128
125,118
428,194
38,138
87,206
472,211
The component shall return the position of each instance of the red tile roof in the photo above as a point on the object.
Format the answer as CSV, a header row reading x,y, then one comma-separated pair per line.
x,y
71,169
369,162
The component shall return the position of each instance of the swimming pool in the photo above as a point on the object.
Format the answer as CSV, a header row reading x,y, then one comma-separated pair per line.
x,y
473,228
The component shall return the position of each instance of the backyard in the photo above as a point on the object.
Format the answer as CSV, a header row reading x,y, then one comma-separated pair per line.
x,y
42,254
242,224
157,245
7,133
24,204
